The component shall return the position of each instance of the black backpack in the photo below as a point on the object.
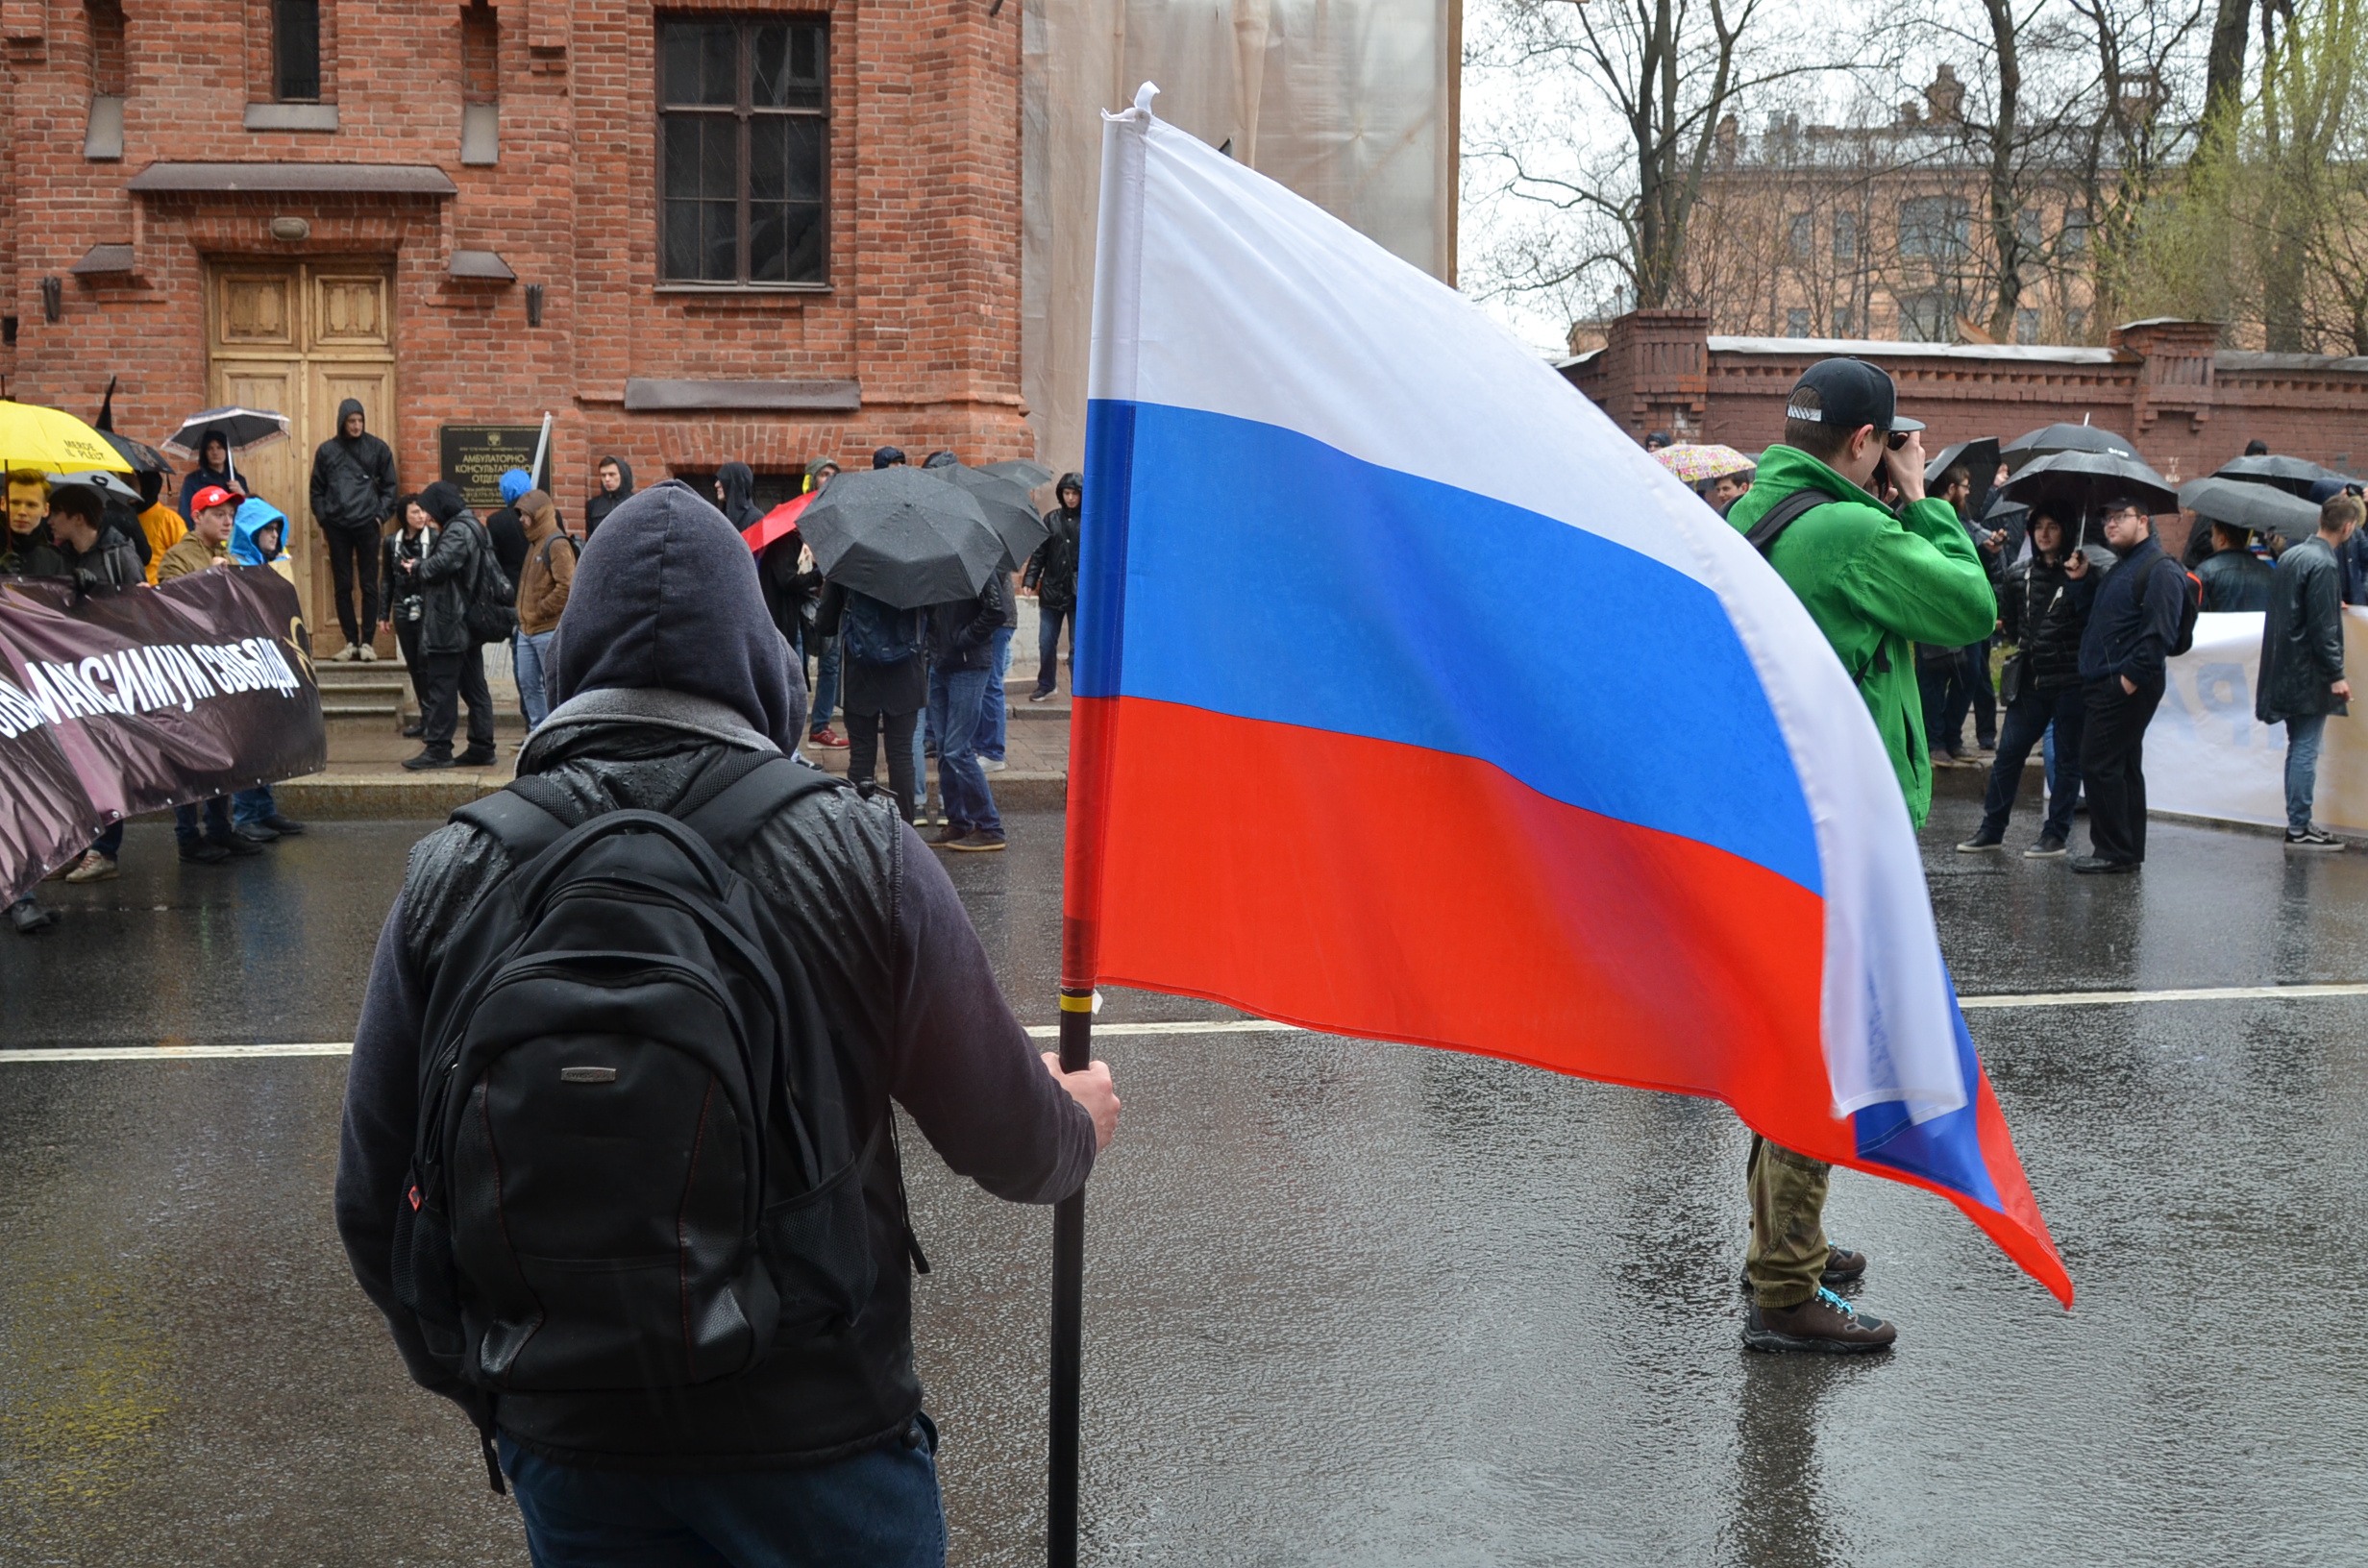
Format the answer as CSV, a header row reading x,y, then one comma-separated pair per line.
x,y
637,1162
2190,605
490,611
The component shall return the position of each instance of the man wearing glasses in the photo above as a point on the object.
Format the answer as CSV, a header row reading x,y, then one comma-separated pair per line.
x,y
1876,582
2129,634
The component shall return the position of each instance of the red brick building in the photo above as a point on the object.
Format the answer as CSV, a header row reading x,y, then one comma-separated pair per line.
x,y
693,232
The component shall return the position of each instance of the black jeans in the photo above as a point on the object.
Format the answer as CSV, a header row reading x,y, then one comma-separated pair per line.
x,y
1983,693
354,562
2026,719
414,662
2112,767
451,679
863,730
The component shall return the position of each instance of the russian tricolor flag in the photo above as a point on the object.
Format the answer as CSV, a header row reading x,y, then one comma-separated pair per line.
x,y
1523,751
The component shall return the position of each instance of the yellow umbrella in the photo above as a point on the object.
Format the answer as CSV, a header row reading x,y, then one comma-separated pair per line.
x,y
35,437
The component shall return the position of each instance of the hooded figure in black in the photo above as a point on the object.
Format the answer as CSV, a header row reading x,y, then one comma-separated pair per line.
x,y
353,495
666,664
452,572
1052,572
604,501
736,486
214,467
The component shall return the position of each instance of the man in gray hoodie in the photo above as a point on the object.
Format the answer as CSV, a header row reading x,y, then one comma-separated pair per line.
x,y
666,661
353,495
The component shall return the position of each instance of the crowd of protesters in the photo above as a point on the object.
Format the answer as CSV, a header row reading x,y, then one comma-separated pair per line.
x,y
2073,663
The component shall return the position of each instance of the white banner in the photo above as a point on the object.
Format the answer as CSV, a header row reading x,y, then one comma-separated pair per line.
x,y
2208,756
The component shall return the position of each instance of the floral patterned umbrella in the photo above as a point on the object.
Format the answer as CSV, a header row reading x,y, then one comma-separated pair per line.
x,y
1694,464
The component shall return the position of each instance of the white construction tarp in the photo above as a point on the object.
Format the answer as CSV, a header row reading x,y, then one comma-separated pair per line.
x,y
2208,756
1351,103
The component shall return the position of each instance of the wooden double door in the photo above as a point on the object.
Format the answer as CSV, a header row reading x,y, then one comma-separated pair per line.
x,y
299,337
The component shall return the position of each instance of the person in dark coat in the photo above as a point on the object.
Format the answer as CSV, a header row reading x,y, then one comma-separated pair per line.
x,y
353,495
2234,577
455,661
886,684
616,488
2043,609
2130,629
735,496
94,554
406,599
666,665
2302,680
961,638
214,468
28,552
1053,577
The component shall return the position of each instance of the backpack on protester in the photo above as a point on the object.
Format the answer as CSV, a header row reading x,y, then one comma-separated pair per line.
x,y
872,632
490,611
2190,605
636,1164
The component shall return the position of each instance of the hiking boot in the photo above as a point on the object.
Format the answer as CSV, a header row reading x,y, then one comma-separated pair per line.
x,y
256,833
473,758
2312,838
204,852
980,841
1823,1324
93,866
2049,847
828,739
29,917
1988,837
2099,866
426,760
947,837
236,845
1842,1267
283,826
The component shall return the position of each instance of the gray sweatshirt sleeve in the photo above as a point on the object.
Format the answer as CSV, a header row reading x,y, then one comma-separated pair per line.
x,y
965,1068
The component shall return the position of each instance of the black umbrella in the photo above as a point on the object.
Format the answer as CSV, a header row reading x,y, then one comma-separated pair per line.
x,y
1026,475
1979,456
2263,508
2295,476
2072,484
2033,445
903,536
113,485
143,457
1009,511
244,429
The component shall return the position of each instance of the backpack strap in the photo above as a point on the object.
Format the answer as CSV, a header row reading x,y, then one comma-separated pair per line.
x,y
729,816
526,817
1783,515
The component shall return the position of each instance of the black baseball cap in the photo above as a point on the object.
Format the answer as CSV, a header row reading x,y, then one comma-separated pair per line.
x,y
1850,393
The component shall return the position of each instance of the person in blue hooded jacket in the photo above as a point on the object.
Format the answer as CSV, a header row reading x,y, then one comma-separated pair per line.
x,y
259,537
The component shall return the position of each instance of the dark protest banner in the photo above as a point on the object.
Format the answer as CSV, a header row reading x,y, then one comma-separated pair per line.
x,y
475,457
121,703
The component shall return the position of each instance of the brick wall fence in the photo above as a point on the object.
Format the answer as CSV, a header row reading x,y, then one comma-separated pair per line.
x,y
2187,404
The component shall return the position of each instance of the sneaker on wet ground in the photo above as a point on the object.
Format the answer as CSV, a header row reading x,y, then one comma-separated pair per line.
x,y
204,852
1824,1324
2313,837
1842,1267
93,866
236,845
1982,838
945,837
29,917
978,841
2048,847
2099,866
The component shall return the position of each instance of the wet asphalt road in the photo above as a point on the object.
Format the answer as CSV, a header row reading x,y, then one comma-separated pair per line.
x,y
1346,1303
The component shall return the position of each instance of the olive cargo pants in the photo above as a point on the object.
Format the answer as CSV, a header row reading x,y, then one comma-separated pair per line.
x,y
1787,1224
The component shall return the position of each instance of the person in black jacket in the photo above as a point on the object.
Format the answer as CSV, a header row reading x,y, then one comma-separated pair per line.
x,y
1053,576
2234,577
884,695
2130,629
353,495
616,488
2302,679
961,637
2043,609
454,659
666,662
214,468
94,554
406,599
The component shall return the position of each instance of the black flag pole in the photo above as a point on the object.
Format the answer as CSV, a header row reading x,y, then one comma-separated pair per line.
x,y
1068,1310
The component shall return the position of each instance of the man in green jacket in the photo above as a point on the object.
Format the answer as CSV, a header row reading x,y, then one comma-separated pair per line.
x,y
1877,582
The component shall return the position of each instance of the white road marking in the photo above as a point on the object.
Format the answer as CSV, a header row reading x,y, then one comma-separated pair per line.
x,y
1241,1027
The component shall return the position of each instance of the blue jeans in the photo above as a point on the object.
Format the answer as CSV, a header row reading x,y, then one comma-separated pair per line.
x,y
878,1509
2304,731
826,684
217,820
252,805
994,707
954,698
1049,645
2036,714
527,652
